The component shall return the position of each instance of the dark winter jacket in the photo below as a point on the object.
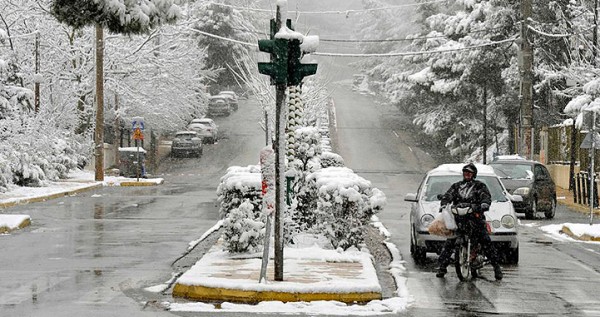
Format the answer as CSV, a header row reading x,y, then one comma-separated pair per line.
x,y
472,192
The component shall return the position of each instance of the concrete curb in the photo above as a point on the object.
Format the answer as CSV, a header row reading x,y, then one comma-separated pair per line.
x,y
141,183
23,224
584,237
38,199
203,293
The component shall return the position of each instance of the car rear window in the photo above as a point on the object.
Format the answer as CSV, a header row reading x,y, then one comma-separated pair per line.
x,y
512,170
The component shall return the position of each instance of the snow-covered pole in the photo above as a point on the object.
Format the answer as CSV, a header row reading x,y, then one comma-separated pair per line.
x,y
267,167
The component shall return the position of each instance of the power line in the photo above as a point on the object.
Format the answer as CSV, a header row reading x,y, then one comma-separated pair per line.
x,y
366,55
415,53
345,12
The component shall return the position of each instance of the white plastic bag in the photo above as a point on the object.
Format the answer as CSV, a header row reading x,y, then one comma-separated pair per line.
x,y
449,218
438,227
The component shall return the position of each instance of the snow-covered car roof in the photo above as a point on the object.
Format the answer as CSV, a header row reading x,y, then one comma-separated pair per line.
x,y
205,120
456,169
509,157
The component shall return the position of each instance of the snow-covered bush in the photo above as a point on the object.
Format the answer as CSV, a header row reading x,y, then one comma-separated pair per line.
x,y
345,204
330,159
242,231
240,184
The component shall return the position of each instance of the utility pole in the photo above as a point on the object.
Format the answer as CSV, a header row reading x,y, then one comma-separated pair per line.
x,y
595,35
526,82
485,140
37,73
99,132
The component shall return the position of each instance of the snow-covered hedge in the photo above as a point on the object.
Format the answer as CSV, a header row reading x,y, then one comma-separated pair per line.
x,y
345,204
238,185
330,159
242,232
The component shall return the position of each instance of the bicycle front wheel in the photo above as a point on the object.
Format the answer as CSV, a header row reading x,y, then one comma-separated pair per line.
x,y
463,263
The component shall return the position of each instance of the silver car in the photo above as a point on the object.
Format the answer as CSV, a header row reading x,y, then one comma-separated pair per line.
x,y
501,219
206,128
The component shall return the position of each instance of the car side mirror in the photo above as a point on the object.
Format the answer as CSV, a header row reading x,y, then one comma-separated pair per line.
x,y
516,198
412,197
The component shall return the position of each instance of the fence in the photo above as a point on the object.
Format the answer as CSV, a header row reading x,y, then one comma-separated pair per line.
x,y
581,191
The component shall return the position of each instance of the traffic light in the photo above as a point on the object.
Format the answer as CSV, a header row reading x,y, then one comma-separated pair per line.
x,y
296,71
278,67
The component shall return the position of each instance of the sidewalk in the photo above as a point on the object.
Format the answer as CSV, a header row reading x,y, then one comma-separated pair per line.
x,y
565,197
310,274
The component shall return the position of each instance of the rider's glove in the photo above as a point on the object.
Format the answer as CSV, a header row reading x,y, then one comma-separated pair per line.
x,y
476,208
485,207
442,208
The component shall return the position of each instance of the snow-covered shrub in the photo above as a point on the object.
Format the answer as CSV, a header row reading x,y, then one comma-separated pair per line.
x,y
242,231
330,159
345,204
238,185
300,214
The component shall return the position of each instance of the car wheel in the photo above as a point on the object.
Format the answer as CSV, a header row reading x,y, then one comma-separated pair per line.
x,y
512,256
550,212
530,214
419,254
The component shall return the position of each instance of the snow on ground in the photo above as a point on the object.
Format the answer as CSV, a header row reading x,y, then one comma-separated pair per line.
x,y
84,175
12,222
579,229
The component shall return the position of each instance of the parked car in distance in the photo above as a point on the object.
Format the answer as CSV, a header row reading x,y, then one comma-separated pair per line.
x,y
532,181
206,128
233,98
501,218
186,143
218,105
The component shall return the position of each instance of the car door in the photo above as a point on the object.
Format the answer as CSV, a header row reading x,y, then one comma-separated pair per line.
x,y
543,186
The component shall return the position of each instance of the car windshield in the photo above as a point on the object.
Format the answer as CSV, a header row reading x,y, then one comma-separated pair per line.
x,y
437,185
512,170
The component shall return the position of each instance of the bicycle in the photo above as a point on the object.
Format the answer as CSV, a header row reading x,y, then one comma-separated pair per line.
x,y
467,256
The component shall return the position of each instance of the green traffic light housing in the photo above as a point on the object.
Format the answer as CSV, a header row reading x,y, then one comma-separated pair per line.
x,y
278,67
296,70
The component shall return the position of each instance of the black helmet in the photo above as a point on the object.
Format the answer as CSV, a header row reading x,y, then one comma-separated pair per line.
x,y
470,168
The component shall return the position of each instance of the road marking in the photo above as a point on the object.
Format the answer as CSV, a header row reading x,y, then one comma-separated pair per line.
x,y
410,148
396,134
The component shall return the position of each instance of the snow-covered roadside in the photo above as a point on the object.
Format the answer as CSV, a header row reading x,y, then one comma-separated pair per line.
x,y
77,181
577,232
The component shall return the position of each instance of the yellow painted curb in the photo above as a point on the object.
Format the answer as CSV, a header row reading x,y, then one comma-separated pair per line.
x,y
48,197
203,293
23,224
584,237
140,183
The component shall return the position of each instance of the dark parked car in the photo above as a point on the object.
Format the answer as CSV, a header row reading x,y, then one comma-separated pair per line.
x,y
219,105
186,143
530,180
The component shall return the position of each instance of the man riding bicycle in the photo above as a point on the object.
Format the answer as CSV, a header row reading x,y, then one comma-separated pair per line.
x,y
475,193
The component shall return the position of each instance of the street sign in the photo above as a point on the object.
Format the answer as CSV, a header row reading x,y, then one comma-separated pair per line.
x,y
137,122
587,141
137,134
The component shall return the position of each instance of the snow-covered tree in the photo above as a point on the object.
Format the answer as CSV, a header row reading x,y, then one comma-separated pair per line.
x,y
220,18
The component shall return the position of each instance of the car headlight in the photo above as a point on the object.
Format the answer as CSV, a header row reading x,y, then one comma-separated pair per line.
x,y
426,220
523,191
508,221
496,224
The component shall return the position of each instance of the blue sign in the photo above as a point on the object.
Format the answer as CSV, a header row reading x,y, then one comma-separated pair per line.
x,y
138,122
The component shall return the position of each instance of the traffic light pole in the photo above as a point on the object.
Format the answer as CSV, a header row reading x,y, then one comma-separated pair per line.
x,y
285,69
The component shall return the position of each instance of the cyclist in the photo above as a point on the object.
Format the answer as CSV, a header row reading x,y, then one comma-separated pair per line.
x,y
476,194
